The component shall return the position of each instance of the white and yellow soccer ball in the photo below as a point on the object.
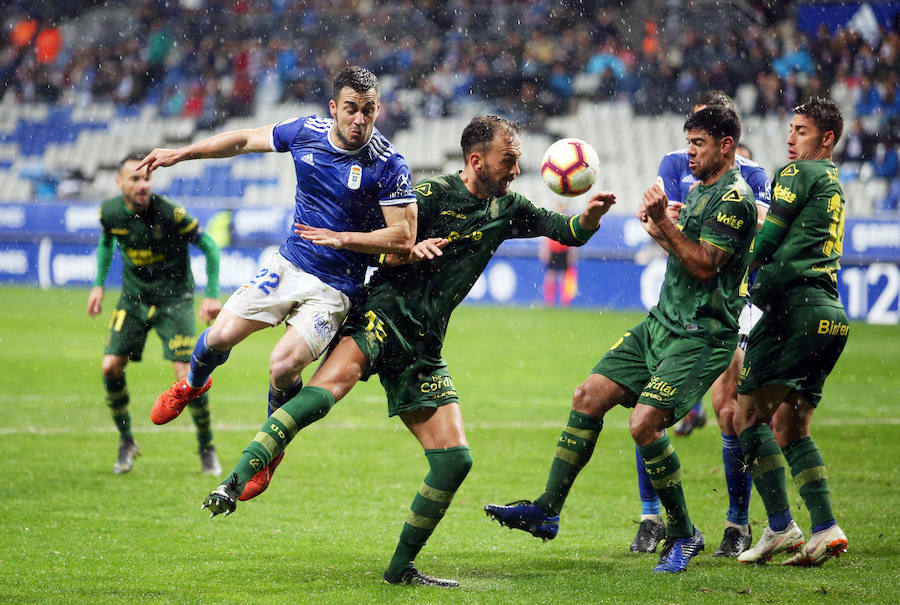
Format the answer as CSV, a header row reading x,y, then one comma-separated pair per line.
x,y
570,167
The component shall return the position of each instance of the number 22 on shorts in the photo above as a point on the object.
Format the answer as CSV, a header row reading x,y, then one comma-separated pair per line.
x,y
272,282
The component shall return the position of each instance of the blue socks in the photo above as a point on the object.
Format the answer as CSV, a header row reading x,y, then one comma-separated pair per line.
x,y
203,361
737,480
649,499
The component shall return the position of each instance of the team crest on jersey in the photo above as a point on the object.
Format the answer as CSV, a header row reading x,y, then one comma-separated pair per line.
x,y
424,189
180,213
790,170
355,178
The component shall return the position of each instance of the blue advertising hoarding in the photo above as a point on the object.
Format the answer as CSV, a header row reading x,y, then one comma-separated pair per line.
x,y
620,268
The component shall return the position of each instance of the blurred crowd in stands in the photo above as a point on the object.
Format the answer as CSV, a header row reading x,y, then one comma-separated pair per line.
x,y
212,60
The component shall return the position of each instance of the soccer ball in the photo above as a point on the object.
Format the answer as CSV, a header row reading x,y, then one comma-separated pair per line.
x,y
569,167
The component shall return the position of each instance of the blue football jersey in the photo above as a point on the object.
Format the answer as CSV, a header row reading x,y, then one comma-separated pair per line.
x,y
677,178
339,190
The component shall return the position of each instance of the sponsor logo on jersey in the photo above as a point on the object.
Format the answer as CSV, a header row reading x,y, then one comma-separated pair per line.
x,y
142,258
456,235
424,189
785,194
120,231
308,158
454,214
180,213
355,178
730,220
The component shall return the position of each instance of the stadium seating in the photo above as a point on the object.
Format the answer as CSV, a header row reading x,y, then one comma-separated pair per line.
x,y
41,144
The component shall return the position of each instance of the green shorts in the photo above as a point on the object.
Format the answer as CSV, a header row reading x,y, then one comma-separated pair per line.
x,y
412,379
663,369
173,321
796,346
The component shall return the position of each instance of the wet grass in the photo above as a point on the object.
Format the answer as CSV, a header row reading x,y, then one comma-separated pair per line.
x,y
72,532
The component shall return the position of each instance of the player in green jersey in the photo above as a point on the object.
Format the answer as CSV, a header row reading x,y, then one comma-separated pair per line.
x,y
664,364
398,331
798,340
157,292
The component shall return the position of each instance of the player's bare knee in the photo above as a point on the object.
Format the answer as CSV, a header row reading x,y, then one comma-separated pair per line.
x,y
112,366
584,400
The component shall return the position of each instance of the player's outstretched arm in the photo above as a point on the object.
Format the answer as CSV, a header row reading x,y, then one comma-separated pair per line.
x,y
397,237
598,205
222,145
427,249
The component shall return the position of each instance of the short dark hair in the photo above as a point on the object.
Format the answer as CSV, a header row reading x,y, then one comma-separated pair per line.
x,y
482,130
826,114
749,154
715,98
718,121
358,78
133,156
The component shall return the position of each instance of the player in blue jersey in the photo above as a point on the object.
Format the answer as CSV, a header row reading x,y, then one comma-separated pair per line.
x,y
676,179
353,194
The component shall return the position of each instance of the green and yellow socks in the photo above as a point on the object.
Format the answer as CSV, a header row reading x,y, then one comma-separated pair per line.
x,y
117,401
199,409
573,450
808,470
765,463
311,404
448,468
664,470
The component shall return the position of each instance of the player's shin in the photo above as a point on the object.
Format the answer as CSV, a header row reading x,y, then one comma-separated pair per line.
x,y
649,499
737,480
448,468
808,470
766,466
203,361
117,400
664,470
574,449
199,409
311,404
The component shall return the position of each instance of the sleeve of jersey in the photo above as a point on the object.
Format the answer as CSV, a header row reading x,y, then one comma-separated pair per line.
x,y
211,252
104,257
728,223
788,194
531,221
670,177
397,189
284,133
762,191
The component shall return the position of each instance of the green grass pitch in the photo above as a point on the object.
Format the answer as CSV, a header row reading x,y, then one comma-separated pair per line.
x,y
73,532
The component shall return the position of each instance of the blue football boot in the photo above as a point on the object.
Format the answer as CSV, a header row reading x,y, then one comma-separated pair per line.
x,y
677,552
527,516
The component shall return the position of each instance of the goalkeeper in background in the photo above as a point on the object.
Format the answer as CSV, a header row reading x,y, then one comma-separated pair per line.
x,y
157,292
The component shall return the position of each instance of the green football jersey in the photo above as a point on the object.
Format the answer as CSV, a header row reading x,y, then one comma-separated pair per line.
x,y
418,298
800,243
154,248
722,214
